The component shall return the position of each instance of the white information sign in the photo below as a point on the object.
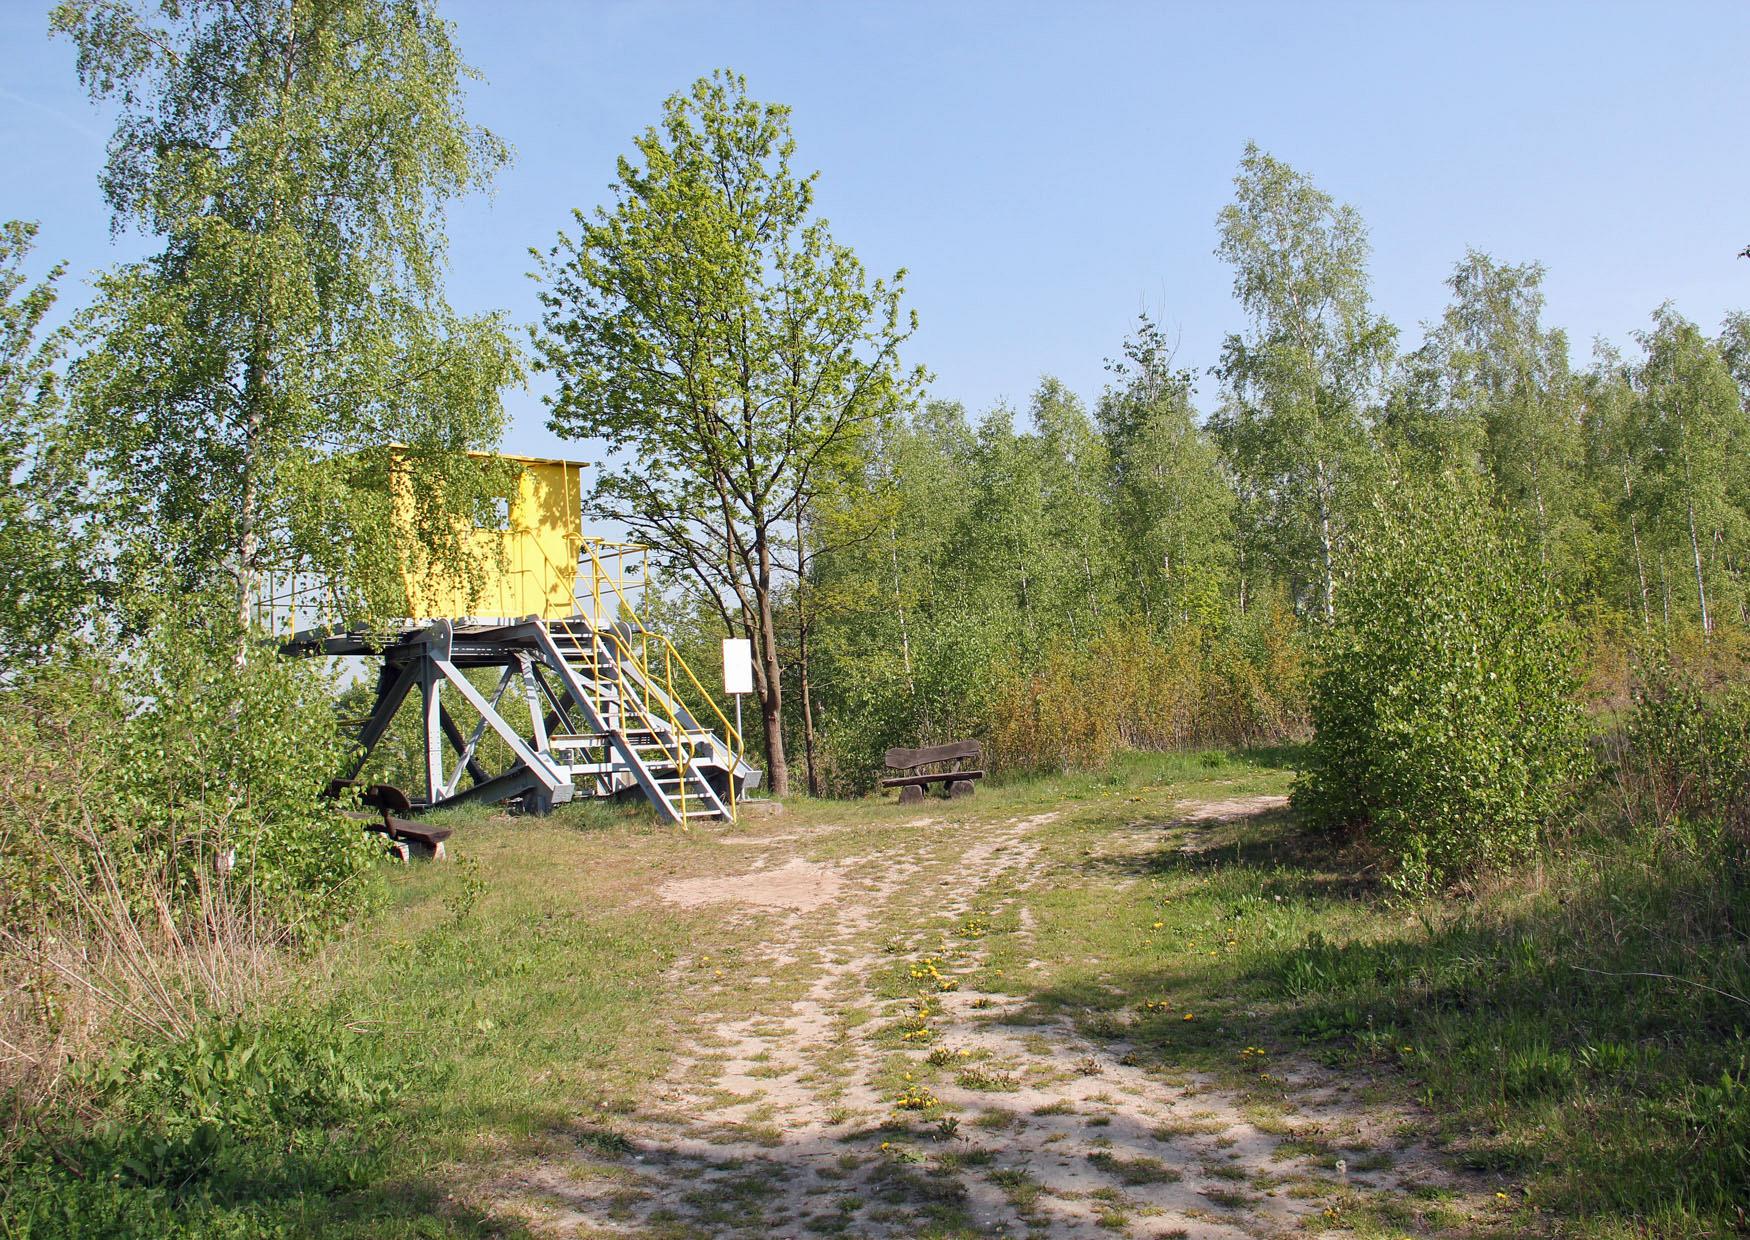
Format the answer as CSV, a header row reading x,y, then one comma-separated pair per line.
x,y
737,665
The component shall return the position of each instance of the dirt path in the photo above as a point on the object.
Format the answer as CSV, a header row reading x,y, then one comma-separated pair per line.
x,y
812,1115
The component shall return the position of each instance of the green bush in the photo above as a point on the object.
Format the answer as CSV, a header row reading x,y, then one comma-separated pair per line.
x,y
1443,701
166,764
1682,758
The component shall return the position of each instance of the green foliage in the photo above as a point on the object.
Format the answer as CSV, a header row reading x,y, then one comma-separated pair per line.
x,y
42,539
225,1133
1490,392
1681,759
1693,434
166,764
295,162
1058,592
1443,706
1172,509
1296,427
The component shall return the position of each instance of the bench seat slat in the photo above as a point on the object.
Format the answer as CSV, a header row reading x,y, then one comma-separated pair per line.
x,y
944,777
402,828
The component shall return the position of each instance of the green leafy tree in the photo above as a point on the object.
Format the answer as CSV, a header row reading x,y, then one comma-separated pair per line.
x,y
168,766
1615,455
295,158
1734,346
896,630
1444,712
44,531
1172,510
729,351
1696,437
1034,546
1503,400
1074,466
1302,382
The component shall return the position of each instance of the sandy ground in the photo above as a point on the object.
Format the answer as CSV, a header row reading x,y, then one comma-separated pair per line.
x,y
775,1124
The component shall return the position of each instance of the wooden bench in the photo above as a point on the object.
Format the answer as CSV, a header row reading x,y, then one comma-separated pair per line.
x,y
957,777
403,833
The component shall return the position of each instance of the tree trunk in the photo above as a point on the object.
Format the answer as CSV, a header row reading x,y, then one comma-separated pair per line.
x,y
1700,585
248,542
1327,553
1634,531
1641,574
899,607
771,683
249,501
807,715
802,665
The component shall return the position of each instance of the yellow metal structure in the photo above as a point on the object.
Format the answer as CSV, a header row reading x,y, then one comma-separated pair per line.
x,y
528,557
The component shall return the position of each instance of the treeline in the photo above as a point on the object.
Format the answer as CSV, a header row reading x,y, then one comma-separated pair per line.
x,y
1145,572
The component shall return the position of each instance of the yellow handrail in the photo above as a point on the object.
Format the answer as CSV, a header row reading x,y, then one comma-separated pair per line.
x,y
678,756
600,574
671,656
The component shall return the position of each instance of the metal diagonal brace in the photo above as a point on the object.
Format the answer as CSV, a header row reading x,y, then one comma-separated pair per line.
x,y
473,744
552,778
391,692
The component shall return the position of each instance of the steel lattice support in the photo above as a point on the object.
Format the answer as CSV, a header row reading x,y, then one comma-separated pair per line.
x,y
598,721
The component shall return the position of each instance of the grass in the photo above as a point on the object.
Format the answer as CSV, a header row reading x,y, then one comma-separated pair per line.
x,y
516,1006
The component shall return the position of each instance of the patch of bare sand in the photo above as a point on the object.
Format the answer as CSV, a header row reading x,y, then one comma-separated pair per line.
x,y
1230,809
798,884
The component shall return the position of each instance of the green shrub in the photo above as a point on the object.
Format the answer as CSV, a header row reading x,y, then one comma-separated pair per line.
x,y
165,764
1443,702
1682,757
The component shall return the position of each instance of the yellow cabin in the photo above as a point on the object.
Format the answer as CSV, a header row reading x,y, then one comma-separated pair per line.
x,y
528,555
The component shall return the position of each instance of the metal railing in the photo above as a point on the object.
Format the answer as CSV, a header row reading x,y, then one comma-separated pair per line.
x,y
601,552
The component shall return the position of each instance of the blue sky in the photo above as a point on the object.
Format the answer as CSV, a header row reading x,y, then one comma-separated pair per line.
x,y
1045,172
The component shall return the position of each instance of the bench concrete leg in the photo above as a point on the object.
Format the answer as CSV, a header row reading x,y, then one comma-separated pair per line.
x,y
437,852
400,850
960,788
911,794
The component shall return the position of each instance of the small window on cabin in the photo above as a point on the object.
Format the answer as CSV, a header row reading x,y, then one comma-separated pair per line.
x,y
497,514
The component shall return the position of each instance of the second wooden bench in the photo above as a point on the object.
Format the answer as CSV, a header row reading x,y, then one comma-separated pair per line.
x,y
914,762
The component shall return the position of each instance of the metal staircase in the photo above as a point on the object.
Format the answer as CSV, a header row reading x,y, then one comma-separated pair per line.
x,y
638,731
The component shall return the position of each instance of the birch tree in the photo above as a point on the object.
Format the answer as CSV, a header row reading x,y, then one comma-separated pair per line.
x,y
1697,434
1302,380
44,534
295,159
1172,511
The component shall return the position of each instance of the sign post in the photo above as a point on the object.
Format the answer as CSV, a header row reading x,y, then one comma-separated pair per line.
x,y
737,672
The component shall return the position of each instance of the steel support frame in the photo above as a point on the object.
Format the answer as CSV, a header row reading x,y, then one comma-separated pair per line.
x,y
560,706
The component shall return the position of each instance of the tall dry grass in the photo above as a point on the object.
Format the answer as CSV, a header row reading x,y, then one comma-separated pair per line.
x,y
1131,688
126,956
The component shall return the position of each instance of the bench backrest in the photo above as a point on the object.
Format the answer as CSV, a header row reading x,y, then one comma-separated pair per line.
x,y
387,798
911,759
